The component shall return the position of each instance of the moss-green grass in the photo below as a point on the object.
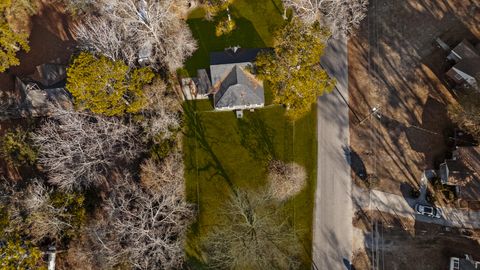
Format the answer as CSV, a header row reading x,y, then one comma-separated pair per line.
x,y
256,21
223,152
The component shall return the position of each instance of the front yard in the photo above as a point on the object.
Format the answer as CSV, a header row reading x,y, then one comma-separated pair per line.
x,y
222,152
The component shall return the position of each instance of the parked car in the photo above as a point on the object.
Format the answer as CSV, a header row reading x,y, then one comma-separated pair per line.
x,y
428,211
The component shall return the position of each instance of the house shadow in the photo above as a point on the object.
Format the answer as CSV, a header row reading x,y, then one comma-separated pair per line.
x,y
244,35
429,137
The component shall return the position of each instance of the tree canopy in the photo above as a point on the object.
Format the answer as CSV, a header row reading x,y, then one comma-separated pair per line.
x,y
293,68
10,43
254,235
107,87
13,33
16,148
18,254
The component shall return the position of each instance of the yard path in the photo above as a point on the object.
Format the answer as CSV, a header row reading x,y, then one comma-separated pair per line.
x,y
333,212
376,200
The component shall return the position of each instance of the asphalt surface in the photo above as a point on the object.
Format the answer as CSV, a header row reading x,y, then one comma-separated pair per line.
x,y
332,225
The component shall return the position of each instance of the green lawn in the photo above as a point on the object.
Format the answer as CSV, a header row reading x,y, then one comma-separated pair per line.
x,y
222,152
256,21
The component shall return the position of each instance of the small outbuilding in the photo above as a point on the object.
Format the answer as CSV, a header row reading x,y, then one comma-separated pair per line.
x,y
43,91
466,70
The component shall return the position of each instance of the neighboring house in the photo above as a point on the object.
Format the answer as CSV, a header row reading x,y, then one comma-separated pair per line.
x,y
231,81
466,71
466,263
462,169
41,92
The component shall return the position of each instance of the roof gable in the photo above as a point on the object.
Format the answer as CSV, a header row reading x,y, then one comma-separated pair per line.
x,y
238,88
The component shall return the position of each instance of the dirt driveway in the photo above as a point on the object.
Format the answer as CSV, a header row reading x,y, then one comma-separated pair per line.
x,y
50,41
393,65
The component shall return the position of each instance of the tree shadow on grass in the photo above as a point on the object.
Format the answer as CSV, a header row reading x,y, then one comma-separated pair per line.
x,y
257,137
197,130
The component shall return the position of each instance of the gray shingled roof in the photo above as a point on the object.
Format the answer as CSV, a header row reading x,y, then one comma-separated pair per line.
x,y
236,87
232,84
470,66
466,50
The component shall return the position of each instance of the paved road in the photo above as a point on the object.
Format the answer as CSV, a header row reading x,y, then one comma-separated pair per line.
x,y
404,207
332,225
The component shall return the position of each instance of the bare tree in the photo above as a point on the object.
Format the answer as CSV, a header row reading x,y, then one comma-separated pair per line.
x,y
34,211
80,6
162,111
157,176
254,235
145,228
78,149
143,28
466,114
343,17
44,219
286,179
103,36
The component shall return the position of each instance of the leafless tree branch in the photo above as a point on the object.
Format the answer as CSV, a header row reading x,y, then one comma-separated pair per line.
x,y
286,179
127,28
146,227
343,17
254,235
78,149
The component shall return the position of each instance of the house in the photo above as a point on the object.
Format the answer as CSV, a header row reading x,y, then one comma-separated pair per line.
x,y
230,81
41,92
234,85
466,263
466,70
461,169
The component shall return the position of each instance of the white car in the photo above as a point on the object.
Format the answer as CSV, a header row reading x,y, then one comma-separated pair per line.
x,y
428,211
